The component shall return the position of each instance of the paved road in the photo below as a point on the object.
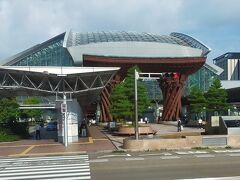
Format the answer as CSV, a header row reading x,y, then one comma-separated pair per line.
x,y
188,164
52,167
166,165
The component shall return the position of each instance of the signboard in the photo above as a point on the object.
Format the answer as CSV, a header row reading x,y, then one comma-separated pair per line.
x,y
63,108
215,121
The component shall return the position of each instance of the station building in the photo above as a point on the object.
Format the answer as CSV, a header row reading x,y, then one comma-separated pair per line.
x,y
85,66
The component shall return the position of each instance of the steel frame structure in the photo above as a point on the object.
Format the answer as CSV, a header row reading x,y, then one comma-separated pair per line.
x,y
53,84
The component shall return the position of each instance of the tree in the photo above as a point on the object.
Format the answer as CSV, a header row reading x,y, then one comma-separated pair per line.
x,y
216,98
197,101
123,97
9,110
32,113
120,103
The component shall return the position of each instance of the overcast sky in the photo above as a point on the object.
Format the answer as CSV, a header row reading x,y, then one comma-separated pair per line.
x,y
24,23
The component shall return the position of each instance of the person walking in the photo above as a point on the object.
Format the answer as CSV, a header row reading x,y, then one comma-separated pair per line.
x,y
179,124
200,120
38,133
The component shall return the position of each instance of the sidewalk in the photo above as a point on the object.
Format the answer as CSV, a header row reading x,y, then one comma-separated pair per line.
x,y
99,140
166,128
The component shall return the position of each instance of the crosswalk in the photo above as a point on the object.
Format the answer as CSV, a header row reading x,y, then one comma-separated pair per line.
x,y
74,167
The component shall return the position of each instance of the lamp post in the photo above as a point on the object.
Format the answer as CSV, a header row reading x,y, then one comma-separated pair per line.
x,y
136,76
64,113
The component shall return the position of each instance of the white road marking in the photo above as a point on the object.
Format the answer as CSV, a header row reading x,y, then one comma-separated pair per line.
x,y
98,160
190,152
204,155
134,159
114,155
156,154
169,157
57,167
228,150
215,178
233,154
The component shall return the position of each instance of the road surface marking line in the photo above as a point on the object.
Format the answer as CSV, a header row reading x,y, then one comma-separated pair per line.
x,y
215,178
233,154
54,153
157,154
134,159
46,172
14,146
80,168
190,152
90,139
43,159
234,150
41,166
114,155
27,150
204,155
98,160
169,157
103,139
54,176
81,156
230,151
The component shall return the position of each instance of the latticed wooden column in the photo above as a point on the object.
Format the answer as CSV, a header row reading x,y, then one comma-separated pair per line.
x,y
105,99
172,86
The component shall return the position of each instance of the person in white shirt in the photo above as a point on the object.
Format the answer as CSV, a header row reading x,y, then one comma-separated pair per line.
x,y
200,122
179,125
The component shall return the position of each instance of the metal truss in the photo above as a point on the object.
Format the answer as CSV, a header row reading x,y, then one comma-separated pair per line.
x,y
52,83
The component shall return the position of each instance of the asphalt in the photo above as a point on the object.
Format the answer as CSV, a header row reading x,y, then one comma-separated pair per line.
x,y
99,140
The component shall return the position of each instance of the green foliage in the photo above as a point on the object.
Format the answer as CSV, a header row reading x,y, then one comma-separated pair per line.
x,y
32,100
19,128
6,136
200,148
228,147
216,98
197,101
9,110
32,113
122,97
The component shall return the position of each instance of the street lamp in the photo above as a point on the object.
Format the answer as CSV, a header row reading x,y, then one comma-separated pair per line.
x,y
136,76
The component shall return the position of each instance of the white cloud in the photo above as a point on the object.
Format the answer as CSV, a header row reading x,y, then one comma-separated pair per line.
x,y
25,23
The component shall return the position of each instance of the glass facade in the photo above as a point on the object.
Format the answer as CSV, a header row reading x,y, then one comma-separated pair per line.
x,y
153,90
75,39
202,79
50,53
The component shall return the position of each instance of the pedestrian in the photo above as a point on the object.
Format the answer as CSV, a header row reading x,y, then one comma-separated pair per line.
x,y
179,124
37,130
146,120
200,122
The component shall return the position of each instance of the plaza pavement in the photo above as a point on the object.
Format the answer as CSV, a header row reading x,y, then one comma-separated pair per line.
x,y
99,140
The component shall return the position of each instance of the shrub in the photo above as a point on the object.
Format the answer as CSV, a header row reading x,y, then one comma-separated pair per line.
x,y
19,128
6,135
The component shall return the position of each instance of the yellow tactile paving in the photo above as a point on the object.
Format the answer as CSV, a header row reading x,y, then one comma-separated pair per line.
x,y
29,147
103,139
45,154
27,150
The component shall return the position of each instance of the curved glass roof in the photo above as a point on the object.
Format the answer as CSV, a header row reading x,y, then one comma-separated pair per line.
x,y
192,42
75,39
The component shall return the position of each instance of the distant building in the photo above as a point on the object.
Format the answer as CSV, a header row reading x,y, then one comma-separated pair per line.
x,y
229,62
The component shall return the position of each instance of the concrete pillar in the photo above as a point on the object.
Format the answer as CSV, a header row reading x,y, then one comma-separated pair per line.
x,y
73,117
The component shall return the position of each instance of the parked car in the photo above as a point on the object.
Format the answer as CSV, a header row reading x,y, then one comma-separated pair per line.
x,y
52,126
